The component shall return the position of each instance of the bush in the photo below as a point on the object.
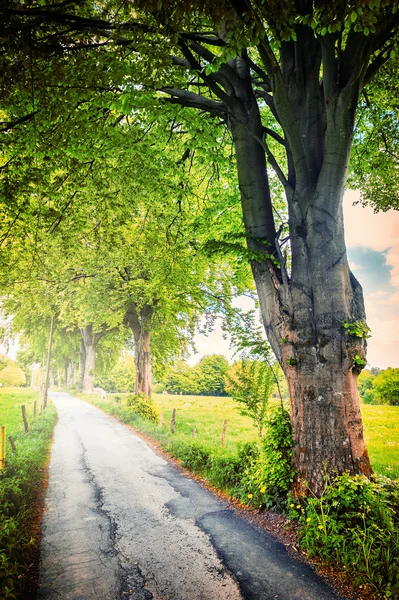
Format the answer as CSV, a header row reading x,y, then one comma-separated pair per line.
x,y
12,375
143,406
268,476
192,456
355,524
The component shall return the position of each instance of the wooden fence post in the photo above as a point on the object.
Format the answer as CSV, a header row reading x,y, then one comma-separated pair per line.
x,y
34,408
193,433
224,432
161,419
173,421
2,447
12,443
23,408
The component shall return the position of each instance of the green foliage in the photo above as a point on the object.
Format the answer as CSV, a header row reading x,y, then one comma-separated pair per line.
x,y
12,375
365,386
357,329
5,362
205,378
210,375
355,524
250,383
386,387
120,378
379,388
291,362
180,378
21,483
267,479
143,406
358,360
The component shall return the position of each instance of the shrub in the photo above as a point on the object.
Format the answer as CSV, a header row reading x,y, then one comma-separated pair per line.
x,y
193,456
268,472
143,406
355,523
12,375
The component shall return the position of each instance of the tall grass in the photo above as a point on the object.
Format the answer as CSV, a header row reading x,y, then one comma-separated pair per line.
x,y
21,489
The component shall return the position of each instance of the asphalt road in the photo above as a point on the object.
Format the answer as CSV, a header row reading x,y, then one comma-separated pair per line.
x,y
120,522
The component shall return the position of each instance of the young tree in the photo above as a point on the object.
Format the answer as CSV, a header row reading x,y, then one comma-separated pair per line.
x,y
250,382
210,374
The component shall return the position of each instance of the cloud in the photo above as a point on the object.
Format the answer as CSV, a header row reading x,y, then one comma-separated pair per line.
x,y
377,231
373,244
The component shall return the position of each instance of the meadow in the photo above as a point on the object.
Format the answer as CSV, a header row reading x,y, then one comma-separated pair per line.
x,y
22,485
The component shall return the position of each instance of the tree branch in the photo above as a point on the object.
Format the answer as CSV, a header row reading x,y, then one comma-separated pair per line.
x,y
192,100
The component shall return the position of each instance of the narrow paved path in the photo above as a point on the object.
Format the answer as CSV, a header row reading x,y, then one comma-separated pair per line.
x,y
120,522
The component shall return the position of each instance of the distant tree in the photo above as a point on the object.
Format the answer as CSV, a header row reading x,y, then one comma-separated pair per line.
x,y
180,378
12,375
386,387
210,373
121,377
365,386
251,382
5,361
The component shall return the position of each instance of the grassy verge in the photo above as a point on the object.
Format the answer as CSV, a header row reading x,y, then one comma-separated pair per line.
x,y
21,490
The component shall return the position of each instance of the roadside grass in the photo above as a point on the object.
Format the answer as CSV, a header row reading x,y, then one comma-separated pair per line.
x,y
21,490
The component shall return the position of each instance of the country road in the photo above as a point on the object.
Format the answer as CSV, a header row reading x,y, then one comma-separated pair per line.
x,y
121,522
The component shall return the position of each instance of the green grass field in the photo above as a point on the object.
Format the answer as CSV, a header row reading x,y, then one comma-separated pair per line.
x,y
21,487
381,430
206,414
11,400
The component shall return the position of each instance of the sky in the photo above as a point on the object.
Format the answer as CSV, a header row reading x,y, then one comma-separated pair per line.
x,y
373,251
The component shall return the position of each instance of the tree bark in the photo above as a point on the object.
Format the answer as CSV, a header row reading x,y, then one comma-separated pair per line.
x,y
90,339
139,321
88,381
303,310
82,364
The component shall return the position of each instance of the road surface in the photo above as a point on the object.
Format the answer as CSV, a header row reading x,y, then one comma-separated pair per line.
x,y
120,522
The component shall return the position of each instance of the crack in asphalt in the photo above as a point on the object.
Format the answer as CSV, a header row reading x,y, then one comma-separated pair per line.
x,y
132,582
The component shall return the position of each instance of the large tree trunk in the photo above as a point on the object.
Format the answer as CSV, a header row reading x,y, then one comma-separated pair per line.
x,y
90,339
88,380
140,323
303,310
